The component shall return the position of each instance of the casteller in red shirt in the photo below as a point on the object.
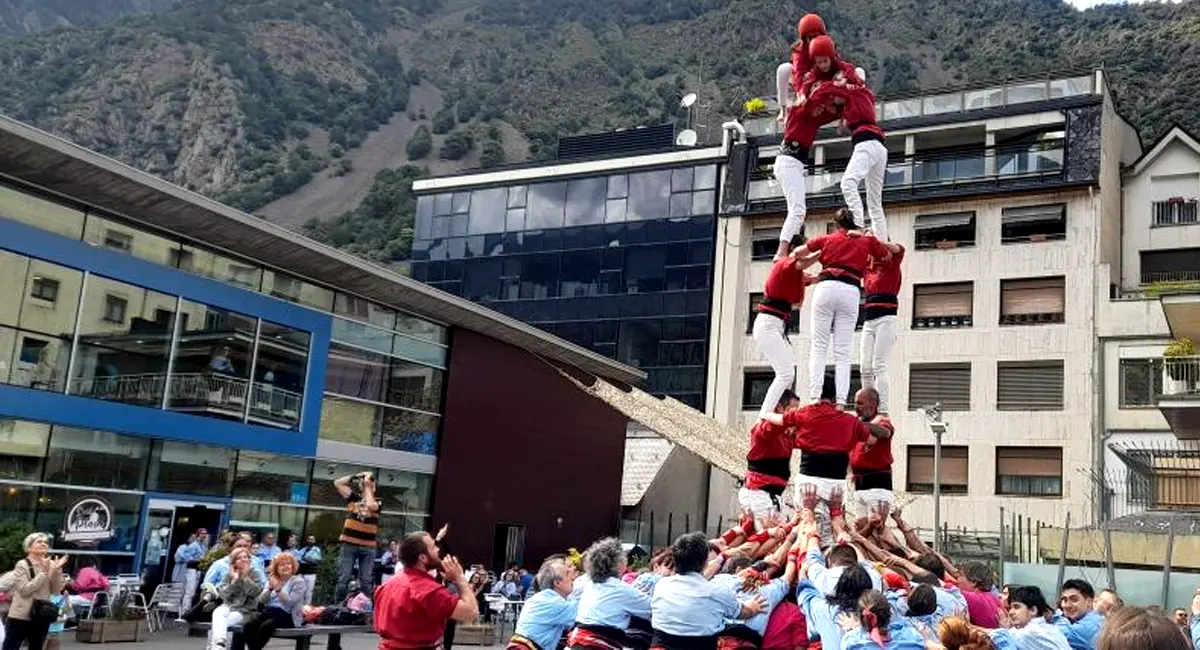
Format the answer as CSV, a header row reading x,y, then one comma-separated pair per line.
x,y
845,258
872,464
826,435
882,285
784,288
786,628
411,611
768,463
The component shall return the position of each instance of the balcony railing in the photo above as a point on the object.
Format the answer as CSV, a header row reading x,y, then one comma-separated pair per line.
x,y
1035,160
957,101
197,392
1181,377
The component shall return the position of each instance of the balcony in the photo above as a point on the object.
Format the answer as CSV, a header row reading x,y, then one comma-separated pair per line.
x,y
1180,398
985,168
198,392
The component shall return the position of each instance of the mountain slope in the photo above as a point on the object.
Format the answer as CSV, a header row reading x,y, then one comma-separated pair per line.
x,y
252,100
18,17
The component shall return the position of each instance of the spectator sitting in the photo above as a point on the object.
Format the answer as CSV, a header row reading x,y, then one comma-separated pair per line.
x,y
88,582
509,586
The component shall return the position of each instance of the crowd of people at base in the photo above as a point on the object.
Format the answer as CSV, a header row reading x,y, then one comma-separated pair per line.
x,y
776,588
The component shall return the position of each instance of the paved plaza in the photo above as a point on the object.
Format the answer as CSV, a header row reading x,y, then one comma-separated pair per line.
x,y
176,638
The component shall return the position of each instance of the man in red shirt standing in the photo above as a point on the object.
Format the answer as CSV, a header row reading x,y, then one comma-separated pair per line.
x,y
882,286
871,462
826,435
782,292
768,465
412,609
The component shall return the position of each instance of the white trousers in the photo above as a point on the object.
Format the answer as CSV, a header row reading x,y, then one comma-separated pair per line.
x,y
222,619
825,489
871,499
790,174
834,315
878,338
759,503
869,163
310,586
190,577
769,334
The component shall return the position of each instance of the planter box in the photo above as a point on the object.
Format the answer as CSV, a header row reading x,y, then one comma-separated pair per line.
x,y
479,634
101,630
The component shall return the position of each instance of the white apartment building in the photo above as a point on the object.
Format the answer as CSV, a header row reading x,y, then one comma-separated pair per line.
x,y
1008,201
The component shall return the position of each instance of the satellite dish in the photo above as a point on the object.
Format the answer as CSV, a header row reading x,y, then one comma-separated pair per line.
x,y
862,74
686,138
688,100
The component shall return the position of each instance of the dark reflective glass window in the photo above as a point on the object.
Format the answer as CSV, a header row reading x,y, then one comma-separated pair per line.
x,y
618,186
415,386
516,196
364,310
322,492
649,195
703,202
645,269
545,205
681,205
441,227
443,204
460,202
705,178
346,420
278,390
124,341
459,225
96,459
356,373
190,468
268,477
401,491
580,275
488,210
22,451
681,179
409,431
638,342
605,332
424,218
482,281
586,201
514,220
539,278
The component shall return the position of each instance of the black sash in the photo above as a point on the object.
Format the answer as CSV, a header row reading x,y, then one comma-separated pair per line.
x,y
881,480
848,275
879,304
674,642
777,467
794,149
775,307
824,464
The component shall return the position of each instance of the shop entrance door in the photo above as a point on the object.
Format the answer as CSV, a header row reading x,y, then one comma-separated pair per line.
x,y
169,523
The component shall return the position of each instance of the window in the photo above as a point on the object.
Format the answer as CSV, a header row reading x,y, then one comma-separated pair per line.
x,y
754,388
948,384
1033,224
23,207
401,491
118,241
1029,386
212,362
1176,265
1032,301
409,431
32,349
114,309
44,289
793,324
952,469
277,392
268,477
855,379
1141,382
952,230
22,451
1175,212
243,276
181,259
763,243
191,468
96,459
943,305
1029,471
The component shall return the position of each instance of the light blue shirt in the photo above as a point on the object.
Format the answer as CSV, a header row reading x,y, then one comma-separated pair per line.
x,y
268,553
690,605
1081,634
509,590
820,615
773,592
901,636
306,555
646,582
218,570
1037,635
544,618
1195,632
826,579
581,581
190,552
949,603
611,603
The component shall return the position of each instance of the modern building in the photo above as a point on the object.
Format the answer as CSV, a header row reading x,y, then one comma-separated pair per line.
x,y
1008,201
609,247
168,363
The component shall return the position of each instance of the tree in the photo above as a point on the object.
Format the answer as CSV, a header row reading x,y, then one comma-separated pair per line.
x,y
456,146
491,154
420,144
444,121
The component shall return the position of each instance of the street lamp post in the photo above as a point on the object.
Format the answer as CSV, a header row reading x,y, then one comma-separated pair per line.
x,y
934,416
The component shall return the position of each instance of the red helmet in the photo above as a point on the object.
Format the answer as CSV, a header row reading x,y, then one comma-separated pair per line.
x,y
810,25
822,46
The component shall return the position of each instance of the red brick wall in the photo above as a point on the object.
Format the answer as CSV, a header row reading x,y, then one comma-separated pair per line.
x,y
520,444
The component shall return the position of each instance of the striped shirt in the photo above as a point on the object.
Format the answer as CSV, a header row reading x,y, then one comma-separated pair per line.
x,y
362,522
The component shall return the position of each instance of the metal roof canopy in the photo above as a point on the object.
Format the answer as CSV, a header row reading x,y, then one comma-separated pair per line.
x,y
39,158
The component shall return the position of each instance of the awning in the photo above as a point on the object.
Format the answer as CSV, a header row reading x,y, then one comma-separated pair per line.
x,y
719,445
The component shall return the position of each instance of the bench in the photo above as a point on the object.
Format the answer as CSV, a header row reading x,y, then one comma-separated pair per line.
x,y
302,635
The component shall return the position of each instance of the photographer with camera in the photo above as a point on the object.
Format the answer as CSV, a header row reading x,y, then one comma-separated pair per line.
x,y
359,532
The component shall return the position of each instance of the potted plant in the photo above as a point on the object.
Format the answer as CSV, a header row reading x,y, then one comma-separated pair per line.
x,y
1181,362
756,107
124,623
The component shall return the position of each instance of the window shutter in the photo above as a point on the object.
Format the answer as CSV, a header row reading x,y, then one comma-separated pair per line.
x,y
932,300
1033,213
1179,186
1033,296
1029,461
954,465
948,220
1030,386
947,383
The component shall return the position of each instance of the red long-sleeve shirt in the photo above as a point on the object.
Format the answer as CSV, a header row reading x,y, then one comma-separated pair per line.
x,y
823,428
876,459
845,256
784,282
882,284
768,442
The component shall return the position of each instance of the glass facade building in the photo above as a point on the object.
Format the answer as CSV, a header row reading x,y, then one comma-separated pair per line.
x,y
618,263
161,376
